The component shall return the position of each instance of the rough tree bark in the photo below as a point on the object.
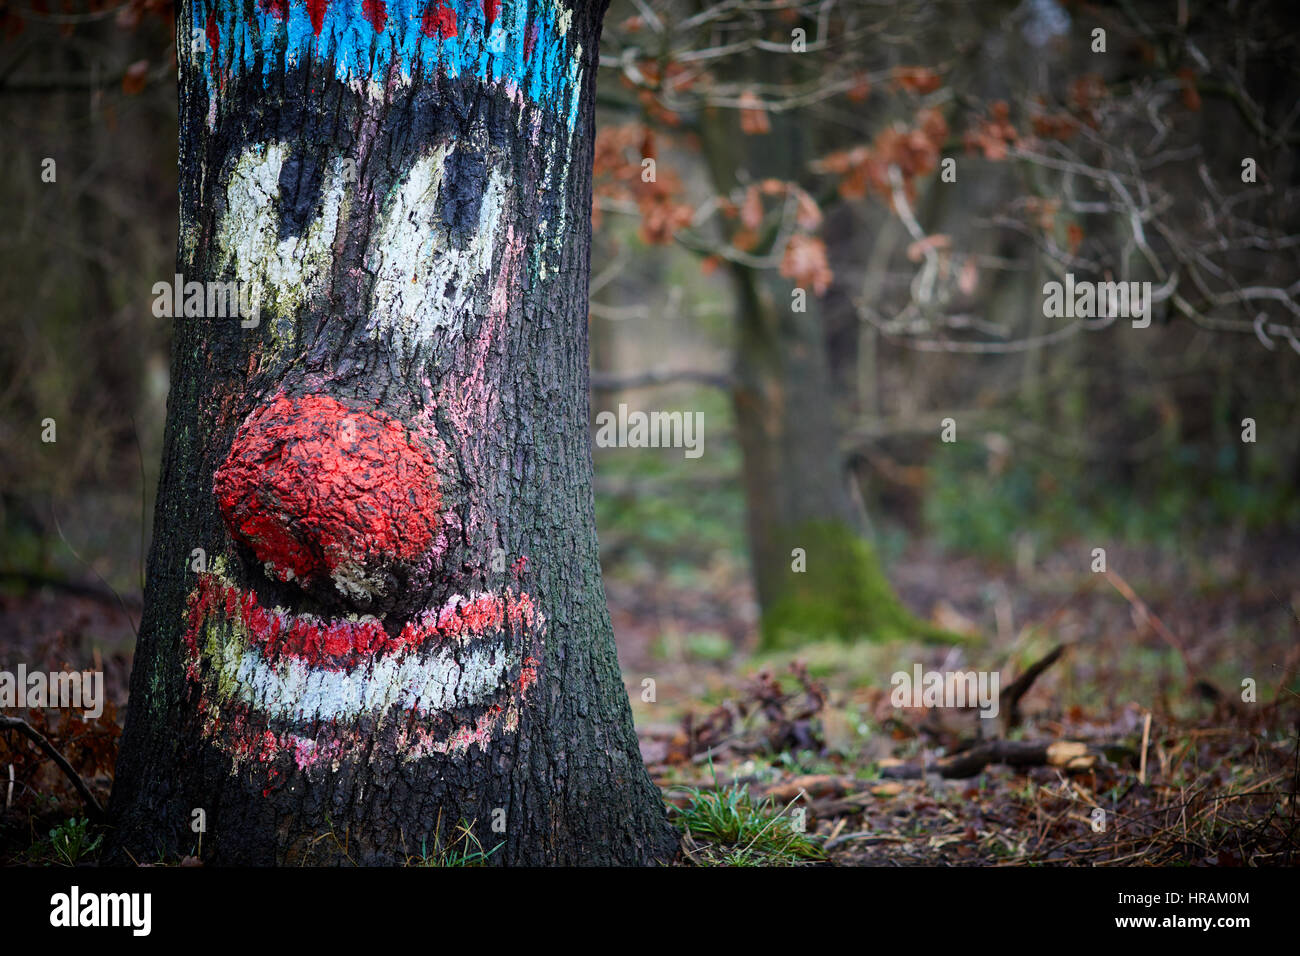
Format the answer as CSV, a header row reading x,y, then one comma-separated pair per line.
x,y
374,609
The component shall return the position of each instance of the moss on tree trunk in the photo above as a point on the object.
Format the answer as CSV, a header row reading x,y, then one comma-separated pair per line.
x,y
815,572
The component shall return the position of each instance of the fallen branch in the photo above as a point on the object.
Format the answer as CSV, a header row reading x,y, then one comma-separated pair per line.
x,y
866,836
36,580
23,727
1009,699
1066,754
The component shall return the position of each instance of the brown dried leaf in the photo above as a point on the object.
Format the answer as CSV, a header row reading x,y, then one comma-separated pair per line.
x,y
135,77
805,262
753,115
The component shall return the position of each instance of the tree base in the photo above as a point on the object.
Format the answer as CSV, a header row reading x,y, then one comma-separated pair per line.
x,y
842,593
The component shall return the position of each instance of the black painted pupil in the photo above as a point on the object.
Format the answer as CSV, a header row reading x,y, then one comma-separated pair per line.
x,y
464,181
300,190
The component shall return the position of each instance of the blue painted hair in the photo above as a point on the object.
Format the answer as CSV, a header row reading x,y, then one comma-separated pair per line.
x,y
526,44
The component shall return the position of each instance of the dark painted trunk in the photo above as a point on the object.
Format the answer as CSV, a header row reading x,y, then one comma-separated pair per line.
x,y
396,626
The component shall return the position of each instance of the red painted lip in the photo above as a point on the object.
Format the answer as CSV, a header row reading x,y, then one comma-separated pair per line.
x,y
261,708
313,486
341,644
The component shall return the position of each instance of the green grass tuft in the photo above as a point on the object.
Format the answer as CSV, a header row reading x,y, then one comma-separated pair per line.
x,y
68,844
732,830
464,850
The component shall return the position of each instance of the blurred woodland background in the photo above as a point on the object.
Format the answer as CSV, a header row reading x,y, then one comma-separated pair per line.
x,y
777,246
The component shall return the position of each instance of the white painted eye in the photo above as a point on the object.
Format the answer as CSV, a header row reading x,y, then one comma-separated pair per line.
x,y
423,281
283,273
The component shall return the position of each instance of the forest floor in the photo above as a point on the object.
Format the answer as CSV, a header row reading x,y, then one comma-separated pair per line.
x,y
1164,732
1195,658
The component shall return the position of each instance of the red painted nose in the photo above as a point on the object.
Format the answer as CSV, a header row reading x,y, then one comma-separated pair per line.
x,y
320,490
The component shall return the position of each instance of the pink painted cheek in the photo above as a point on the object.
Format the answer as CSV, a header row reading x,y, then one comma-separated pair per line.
x,y
311,485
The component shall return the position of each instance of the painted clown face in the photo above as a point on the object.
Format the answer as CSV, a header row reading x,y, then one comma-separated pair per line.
x,y
365,591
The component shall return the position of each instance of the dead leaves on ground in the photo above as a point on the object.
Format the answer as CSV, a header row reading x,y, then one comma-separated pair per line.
x,y
1214,795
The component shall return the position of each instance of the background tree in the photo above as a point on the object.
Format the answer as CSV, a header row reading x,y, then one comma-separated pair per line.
x,y
691,69
374,612
925,303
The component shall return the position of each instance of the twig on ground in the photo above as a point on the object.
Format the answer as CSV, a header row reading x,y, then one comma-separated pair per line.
x,y
1123,588
1011,694
1146,737
20,725
1013,753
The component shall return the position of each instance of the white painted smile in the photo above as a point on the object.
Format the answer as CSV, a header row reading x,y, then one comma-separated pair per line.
x,y
449,676
269,665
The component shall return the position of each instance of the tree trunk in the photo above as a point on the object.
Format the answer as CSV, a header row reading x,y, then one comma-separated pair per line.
x,y
395,626
815,573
